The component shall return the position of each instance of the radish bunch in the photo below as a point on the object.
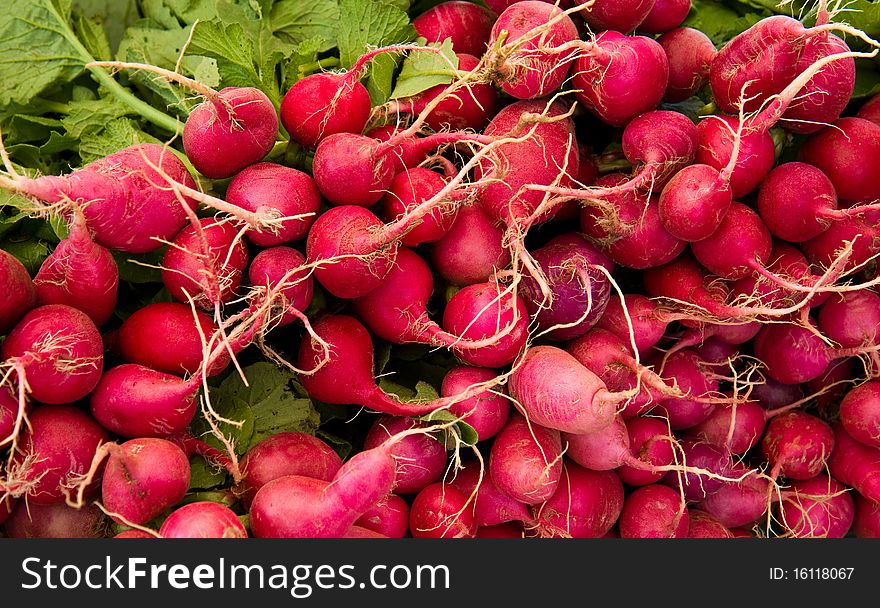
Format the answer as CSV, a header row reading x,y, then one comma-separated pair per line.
x,y
620,319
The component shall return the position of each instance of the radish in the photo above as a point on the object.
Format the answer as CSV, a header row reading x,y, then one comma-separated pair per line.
x,y
79,273
797,445
525,461
742,502
689,53
736,427
294,506
836,148
466,24
528,48
55,521
410,188
441,511
53,453
202,519
797,202
586,504
685,370
651,443
272,188
167,337
819,507
143,478
648,326
654,511
472,250
866,518
459,107
485,412
579,291
342,345
490,506
704,525
125,197
20,294
285,453
717,141
851,319
205,263
855,464
57,353
421,459
860,413
705,465
664,16
322,104
620,77
388,517
740,244
616,15
275,268
556,391
870,110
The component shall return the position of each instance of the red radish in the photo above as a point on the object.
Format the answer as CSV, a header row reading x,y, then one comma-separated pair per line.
x,y
686,370
717,139
205,263
349,171
851,319
491,312
466,24
529,62
388,517
421,459
507,175
586,504
130,206
648,326
621,77
819,507
654,511
272,188
134,533
285,453
741,244
844,151
342,346
704,525
20,295
294,506
808,359
705,465
834,382
855,464
143,478
322,104
616,15
870,110
410,188
665,15
525,461
556,391
797,202
9,409
735,427
54,451
441,511
797,445
463,106
135,401
651,442
866,520
232,129
860,413
472,249
58,353
742,502
167,337
202,519
689,53
273,267
79,273
55,521
603,450
580,291
486,412
824,250
489,505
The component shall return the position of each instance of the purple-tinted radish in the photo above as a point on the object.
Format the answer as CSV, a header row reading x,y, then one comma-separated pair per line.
x,y
819,507
421,459
586,504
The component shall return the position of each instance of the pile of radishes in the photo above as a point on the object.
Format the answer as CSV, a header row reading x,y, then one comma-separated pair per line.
x,y
660,327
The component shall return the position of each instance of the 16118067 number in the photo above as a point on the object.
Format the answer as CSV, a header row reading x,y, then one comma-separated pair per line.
x,y
821,574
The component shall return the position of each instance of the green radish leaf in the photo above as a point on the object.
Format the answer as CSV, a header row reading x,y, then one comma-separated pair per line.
x,y
234,409
117,134
205,476
422,70
460,433
139,267
366,23
91,117
30,251
114,16
296,22
38,49
90,31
